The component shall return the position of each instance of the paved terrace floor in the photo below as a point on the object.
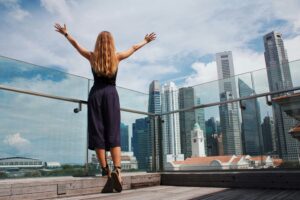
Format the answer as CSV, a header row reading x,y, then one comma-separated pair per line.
x,y
194,193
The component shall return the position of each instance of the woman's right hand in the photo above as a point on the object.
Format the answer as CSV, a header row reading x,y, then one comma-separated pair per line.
x,y
60,29
150,37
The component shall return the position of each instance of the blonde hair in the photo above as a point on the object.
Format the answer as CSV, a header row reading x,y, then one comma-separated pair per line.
x,y
104,60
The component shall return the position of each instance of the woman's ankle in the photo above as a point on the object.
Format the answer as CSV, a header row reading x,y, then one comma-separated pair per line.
x,y
105,171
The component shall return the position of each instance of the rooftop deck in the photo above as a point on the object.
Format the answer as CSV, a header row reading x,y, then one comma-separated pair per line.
x,y
199,193
167,185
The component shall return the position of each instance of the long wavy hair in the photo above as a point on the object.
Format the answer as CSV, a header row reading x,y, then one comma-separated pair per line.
x,y
104,60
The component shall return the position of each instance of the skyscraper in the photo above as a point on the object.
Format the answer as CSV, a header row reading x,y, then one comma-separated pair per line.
x,y
154,106
225,70
171,130
200,115
268,133
186,119
124,137
229,116
251,129
211,137
279,78
140,143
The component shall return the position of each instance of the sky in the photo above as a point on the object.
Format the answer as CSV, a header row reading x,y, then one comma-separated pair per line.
x,y
189,34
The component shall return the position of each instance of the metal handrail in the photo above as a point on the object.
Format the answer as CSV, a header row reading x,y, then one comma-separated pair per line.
x,y
266,94
79,101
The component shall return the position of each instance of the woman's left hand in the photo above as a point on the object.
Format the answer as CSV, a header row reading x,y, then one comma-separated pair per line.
x,y
60,29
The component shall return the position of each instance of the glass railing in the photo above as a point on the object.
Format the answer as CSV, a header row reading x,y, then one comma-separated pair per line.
x,y
44,136
226,124
243,132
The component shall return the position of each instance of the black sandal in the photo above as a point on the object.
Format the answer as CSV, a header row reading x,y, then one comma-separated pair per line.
x,y
105,171
116,179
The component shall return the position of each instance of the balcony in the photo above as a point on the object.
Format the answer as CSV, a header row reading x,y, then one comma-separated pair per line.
x,y
200,146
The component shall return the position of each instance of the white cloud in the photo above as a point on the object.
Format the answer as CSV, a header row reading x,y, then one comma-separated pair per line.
x,y
288,10
14,10
60,8
202,27
292,46
203,73
16,141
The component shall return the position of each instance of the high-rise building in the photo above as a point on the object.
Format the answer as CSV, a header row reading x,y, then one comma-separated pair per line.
x,y
268,133
251,129
225,70
170,127
140,143
229,116
211,137
200,115
154,106
279,78
186,119
124,137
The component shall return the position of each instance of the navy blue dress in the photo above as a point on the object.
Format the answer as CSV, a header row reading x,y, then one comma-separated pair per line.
x,y
103,114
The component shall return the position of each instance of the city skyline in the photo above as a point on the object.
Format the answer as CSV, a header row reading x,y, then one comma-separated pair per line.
x,y
230,87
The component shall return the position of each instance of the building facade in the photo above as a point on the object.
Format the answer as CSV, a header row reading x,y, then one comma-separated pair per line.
x,y
154,106
229,116
251,129
186,119
124,137
140,142
170,127
268,133
279,78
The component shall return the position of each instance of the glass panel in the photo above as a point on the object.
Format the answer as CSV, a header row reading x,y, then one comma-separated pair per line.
x,y
295,71
35,78
136,145
45,135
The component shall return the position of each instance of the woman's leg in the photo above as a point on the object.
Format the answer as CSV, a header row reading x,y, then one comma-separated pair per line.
x,y
101,154
101,157
116,174
116,155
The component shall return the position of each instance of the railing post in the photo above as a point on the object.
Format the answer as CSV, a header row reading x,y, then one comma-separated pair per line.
x,y
153,125
87,138
160,142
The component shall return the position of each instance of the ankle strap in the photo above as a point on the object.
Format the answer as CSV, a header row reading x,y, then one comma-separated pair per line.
x,y
106,167
117,167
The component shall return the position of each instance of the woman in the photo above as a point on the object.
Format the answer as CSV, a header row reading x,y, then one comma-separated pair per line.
x,y
103,101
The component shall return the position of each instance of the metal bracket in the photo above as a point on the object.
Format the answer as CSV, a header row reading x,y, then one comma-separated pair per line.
x,y
268,102
242,106
77,110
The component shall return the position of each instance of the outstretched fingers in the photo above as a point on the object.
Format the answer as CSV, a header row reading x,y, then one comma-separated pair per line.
x,y
150,37
60,29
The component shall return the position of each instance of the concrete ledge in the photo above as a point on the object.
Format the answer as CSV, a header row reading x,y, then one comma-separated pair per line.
x,y
56,187
243,179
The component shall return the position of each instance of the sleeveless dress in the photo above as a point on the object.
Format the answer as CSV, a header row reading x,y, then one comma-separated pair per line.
x,y
103,114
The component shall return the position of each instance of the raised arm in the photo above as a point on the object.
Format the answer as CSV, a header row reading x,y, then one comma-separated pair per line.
x,y
125,54
63,30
